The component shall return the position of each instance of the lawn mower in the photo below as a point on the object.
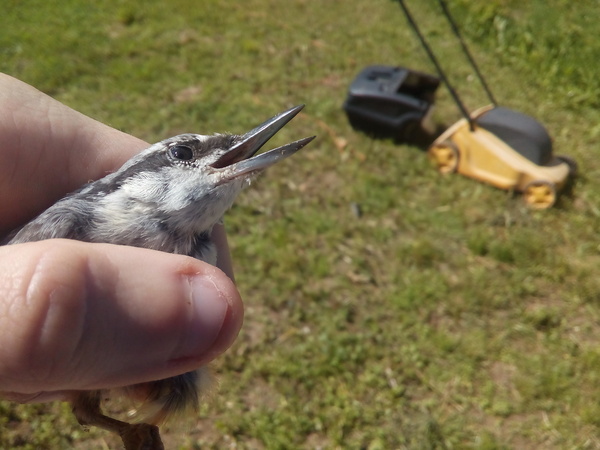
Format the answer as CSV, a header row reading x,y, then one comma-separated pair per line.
x,y
494,144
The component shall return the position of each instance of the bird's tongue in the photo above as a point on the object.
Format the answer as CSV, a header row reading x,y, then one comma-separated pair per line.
x,y
266,159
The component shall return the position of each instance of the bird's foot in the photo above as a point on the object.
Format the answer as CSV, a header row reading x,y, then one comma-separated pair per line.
x,y
141,436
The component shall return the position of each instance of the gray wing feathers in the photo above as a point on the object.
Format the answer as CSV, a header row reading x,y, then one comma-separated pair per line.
x,y
59,221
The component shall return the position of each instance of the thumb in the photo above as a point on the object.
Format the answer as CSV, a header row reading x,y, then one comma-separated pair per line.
x,y
76,316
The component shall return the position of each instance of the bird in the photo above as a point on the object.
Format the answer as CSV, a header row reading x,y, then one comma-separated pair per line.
x,y
168,197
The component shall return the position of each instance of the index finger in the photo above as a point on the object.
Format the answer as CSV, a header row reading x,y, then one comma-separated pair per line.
x,y
48,150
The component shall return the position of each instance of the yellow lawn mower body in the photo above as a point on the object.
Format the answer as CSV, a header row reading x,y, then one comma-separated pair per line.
x,y
506,149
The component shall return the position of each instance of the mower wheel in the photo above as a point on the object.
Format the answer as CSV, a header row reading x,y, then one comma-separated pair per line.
x,y
539,194
445,156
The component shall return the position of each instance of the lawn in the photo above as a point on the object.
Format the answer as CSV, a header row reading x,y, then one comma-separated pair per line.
x,y
387,306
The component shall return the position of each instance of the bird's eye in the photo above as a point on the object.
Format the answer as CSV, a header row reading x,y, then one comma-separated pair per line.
x,y
181,152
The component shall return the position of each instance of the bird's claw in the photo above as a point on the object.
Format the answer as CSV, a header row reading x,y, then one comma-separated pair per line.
x,y
141,436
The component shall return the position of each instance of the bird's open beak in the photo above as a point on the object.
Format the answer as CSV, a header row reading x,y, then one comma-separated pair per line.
x,y
240,160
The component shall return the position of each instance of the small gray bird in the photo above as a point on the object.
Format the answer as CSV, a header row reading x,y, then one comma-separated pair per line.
x,y
168,198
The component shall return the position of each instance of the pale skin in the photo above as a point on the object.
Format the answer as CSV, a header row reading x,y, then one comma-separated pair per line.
x,y
79,316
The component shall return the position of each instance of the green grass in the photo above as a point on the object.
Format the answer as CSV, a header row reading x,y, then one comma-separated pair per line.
x,y
447,315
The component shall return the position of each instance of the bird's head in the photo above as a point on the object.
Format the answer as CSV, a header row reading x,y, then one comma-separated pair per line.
x,y
191,179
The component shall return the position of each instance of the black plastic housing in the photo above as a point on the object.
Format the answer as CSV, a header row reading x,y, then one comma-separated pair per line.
x,y
390,102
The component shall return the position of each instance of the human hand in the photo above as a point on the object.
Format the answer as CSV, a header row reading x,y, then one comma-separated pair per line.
x,y
78,316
